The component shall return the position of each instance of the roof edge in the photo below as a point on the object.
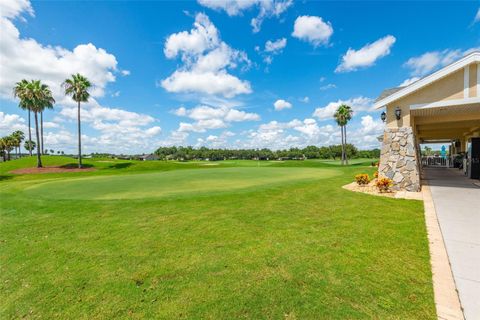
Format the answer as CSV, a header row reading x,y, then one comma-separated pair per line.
x,y
454,66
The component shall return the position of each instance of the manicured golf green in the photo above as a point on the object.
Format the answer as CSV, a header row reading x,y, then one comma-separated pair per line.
x,y
228,240
173,183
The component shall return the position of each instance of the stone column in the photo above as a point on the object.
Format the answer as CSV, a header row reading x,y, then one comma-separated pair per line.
x,y
399,159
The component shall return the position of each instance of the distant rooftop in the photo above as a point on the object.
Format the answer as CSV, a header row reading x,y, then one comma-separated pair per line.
x,y
387,92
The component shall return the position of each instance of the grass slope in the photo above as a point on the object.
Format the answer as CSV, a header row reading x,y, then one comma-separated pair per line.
x,y
305,249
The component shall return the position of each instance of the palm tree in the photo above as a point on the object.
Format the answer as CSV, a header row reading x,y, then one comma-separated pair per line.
x,y
41,133
342,116
3,148
77,87
348,112
20,91
18,136
9,143
39,97
29,145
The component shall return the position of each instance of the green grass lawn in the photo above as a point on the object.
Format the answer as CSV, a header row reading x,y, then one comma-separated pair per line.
x,y
222,240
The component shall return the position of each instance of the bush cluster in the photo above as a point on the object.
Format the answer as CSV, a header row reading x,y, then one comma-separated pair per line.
x,y
362,179
384,184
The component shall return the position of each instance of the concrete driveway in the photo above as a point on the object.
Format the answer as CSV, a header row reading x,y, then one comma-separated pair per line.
x,y
457,203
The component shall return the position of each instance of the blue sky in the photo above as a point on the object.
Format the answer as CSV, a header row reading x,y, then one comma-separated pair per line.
x,y
235,74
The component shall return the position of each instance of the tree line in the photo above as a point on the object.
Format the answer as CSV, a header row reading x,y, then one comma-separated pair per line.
x,y
36,97
311,152
13,142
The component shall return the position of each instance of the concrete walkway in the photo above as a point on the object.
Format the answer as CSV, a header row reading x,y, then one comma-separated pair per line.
x,y
457,203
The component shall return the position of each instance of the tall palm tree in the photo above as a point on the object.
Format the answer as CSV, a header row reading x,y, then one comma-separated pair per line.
x,y
39,97
18,136
338,116
41,133
77,87
20,91
348,112
342,116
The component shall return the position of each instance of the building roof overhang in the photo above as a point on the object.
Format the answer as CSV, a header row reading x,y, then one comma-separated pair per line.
x,y
391,95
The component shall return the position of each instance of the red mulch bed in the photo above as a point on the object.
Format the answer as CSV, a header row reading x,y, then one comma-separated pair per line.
x,y
51,170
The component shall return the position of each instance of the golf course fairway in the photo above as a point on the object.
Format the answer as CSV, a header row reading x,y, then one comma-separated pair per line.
x,y
173,183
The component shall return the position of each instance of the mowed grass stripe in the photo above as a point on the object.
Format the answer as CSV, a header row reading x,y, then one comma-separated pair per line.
x,y
173,183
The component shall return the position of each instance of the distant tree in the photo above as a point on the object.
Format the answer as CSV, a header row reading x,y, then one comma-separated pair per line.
x,y
77,87
18,136
342,116
311,152
427,151
3,148
336,151
29,145
9,144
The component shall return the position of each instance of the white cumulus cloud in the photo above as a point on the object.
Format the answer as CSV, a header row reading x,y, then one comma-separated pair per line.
x,y
208,117
10,123
275,46
312,29
267,8
271,49
433,60
367,55
358,104
206,60
25,58
282,104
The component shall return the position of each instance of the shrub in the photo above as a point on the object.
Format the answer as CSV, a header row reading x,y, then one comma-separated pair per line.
x,y
375,174
362,179
384,184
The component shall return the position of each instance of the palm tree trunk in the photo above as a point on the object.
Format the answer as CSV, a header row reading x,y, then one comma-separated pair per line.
x,y
79,139
39,158
41,131
343,147
29,132
346,155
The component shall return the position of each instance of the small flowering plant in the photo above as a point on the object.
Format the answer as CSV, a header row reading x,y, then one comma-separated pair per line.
x,y
384,184
375,174
362,179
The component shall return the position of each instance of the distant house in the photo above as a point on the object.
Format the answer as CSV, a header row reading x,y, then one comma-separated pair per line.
x,y
149,157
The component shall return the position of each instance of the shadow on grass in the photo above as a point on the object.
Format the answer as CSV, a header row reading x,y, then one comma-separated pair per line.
x,y
75,165
4,177
122,165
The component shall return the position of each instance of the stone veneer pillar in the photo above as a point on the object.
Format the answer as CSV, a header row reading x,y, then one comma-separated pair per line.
x,y
398,159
